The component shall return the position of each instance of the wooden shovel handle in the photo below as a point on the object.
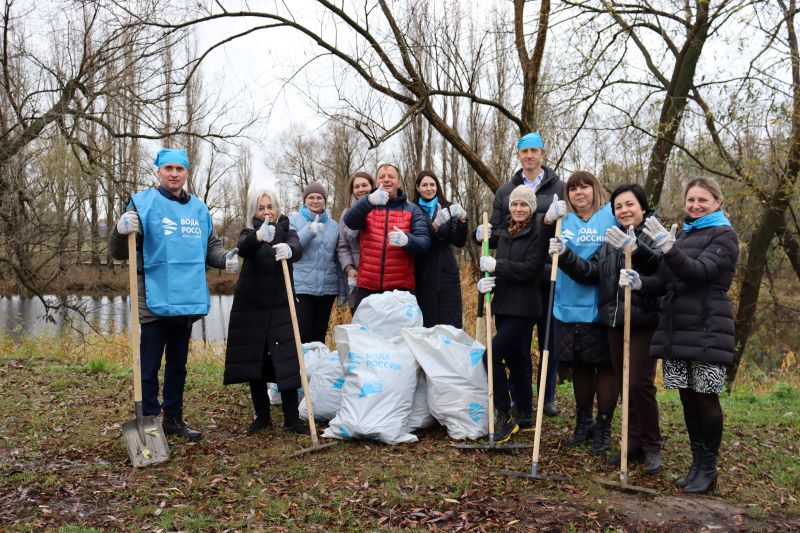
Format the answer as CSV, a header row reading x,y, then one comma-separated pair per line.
x,y
133,327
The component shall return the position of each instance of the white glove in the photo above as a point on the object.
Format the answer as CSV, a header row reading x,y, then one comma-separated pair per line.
x,y
488,263
630,278
378,196
479,233
619,239
352,282
282,251
442,217
657,232
398,237
486,284
556,246
456,211
557,209
316,226
128,223
232,262
266,233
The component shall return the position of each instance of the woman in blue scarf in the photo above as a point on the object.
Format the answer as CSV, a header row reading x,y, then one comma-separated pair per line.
x,y
695,333
438,284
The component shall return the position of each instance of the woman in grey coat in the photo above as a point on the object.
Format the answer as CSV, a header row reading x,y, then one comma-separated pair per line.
x,y
361,183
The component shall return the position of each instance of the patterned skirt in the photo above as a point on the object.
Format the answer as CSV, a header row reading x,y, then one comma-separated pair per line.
x,y
707,378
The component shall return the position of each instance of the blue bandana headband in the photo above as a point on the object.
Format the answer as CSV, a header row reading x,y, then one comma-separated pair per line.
x,y
429,205
531,140
717,218
176,157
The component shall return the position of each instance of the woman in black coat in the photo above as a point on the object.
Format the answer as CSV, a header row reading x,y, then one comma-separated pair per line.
x,y
517,303
260,338
695,333
438,283
629,205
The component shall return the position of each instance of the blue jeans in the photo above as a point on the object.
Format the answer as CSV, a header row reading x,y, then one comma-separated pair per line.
x,y
160,337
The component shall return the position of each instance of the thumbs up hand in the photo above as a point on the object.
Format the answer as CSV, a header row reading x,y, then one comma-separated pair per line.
x,y
557,209
398,238
316,226
378,196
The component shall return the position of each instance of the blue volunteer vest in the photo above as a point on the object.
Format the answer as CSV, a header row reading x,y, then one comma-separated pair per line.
x,y
576,302
174,251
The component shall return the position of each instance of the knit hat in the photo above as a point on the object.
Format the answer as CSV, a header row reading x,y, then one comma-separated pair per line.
x,y
316,187
166,156
525,194
531,140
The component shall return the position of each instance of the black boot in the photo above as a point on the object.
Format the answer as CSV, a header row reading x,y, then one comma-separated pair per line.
x,y
291,419
584,427
602,434
525,420
176,426
696,446
706,477
504,427
263,420
635,455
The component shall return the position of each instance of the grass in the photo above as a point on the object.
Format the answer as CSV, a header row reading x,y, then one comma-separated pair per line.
x,y
63,466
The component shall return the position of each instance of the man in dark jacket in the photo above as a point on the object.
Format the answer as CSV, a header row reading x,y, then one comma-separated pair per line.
x,y
175,241
545,183
393,231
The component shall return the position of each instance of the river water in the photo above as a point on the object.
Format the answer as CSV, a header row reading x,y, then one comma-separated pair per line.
x,y
106,314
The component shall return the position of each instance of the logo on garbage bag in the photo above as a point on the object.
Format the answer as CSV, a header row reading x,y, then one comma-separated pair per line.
x,y
368,389
353,360
445,339
476,411
476,356
411,310
338,384
344,433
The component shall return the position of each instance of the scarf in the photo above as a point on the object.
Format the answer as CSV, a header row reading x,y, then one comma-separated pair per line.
x,y
514,227
309,215
429,205
717,218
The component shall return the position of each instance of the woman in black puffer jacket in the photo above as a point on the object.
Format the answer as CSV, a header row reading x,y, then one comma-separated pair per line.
x,y
261,345
629,204
695,333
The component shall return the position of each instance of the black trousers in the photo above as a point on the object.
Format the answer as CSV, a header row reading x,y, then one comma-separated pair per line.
x,y
313,315
161,338
508,352
643,427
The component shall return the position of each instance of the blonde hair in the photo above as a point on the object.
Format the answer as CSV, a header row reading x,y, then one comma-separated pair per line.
x,y
253,197
709,184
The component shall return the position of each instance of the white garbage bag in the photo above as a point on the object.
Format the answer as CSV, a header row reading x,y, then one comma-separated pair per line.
x,y
325,381
380,376
457,386
388,312
313,352
420,416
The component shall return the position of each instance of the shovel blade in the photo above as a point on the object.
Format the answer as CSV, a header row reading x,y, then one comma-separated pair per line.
x,y
153,449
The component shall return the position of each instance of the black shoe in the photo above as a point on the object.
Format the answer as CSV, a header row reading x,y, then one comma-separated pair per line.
x,y
711,436
526,422
298,428
696,447
504,427
260,423
550,409
176,426
602,434
652,462
584,427
635,455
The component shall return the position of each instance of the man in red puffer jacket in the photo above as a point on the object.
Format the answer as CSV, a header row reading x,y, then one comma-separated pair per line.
x,y
393,230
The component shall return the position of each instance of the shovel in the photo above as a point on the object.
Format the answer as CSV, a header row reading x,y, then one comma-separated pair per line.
x,y
626,359
487,312
312,425
143,435
534,473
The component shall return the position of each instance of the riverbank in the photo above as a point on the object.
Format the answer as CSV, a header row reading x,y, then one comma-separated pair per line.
x,y
89,280
63,464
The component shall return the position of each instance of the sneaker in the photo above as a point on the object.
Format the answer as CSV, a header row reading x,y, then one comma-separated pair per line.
x,y
504,427
260,423
526,422
550,409
652,462
176,426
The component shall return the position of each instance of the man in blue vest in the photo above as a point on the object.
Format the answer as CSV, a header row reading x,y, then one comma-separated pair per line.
x,y
545,183
175,241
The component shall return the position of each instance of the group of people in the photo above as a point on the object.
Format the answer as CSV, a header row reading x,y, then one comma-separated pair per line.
x,y
386,241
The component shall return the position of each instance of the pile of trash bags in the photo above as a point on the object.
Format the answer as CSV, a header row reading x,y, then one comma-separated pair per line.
x,y
389,376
